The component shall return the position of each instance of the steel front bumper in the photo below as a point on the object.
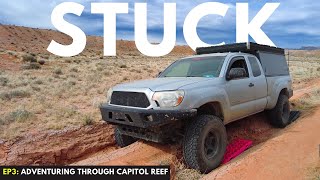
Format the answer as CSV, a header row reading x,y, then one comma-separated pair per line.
x,y
143,118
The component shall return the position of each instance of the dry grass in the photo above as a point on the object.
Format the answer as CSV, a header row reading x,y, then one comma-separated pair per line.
x,y
304,66
301,70
314,173
309,101
188,174
66,92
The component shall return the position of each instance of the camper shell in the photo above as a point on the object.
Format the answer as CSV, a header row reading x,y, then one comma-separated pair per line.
x,y
272,59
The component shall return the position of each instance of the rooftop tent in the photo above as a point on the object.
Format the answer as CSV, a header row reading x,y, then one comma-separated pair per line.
x,y
272,59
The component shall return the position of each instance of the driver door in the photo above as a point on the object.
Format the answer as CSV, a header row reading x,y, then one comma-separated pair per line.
x,y
240,93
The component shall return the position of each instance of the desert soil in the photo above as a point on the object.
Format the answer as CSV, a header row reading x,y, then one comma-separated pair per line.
x,y
286,156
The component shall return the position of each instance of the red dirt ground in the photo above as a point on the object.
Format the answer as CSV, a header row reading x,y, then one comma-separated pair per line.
x,y
286,156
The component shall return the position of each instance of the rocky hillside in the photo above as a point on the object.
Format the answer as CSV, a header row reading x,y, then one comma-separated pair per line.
x,y
31,40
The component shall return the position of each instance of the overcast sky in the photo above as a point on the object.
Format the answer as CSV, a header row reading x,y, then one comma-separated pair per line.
x,y
294,24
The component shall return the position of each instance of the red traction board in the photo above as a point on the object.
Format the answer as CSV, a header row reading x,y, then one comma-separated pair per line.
x,y
235,148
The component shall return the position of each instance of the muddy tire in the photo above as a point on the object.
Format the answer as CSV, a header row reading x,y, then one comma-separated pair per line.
x,y
280,115
204,143
122,140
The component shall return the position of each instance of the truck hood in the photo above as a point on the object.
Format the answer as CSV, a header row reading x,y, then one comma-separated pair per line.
x,y
162,84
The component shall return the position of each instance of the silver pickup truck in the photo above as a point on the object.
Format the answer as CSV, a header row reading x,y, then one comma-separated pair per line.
x,y
195,97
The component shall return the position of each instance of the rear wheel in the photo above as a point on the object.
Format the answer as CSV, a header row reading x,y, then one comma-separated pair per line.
x,y
280,115
122,140
204,143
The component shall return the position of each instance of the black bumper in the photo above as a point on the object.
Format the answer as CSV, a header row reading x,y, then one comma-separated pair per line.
x,y
141,117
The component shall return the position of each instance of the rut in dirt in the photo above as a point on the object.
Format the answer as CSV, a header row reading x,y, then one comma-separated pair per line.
x,y
256,128
58,147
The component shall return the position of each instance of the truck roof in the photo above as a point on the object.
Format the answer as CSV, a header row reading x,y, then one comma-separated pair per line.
x,y
217,54
250,48
272,59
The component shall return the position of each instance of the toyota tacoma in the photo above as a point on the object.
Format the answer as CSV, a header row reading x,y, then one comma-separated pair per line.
x,y
195,97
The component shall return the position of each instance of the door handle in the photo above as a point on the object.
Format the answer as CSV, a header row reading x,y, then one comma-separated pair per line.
x,y
251,85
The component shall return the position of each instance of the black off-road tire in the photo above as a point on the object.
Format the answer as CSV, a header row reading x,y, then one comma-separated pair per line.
x,y
197,143
122,140
280,115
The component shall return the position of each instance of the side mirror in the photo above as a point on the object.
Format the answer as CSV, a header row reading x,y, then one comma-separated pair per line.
x,y
236,73
159,73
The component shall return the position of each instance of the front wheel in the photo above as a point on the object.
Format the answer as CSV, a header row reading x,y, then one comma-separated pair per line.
x,y
204,143
122,140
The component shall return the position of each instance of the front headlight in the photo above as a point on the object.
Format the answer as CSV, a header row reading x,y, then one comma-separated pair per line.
x,y
109,94
168,98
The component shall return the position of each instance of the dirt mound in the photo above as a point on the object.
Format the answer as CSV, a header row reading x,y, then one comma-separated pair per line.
x,y
256,128
31,40
57,148
140,153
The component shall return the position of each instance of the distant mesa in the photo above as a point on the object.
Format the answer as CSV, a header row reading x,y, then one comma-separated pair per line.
x,y
309,48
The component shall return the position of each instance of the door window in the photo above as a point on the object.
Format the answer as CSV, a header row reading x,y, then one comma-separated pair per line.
x,y
239,62
254,66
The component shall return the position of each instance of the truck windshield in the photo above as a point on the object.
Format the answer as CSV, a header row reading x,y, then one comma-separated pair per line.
x,y
195,67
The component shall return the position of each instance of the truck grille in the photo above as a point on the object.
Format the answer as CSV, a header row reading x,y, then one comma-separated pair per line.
x,y
133,99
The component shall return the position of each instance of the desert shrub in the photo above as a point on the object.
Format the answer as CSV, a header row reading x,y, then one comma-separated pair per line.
x,y
57,71
38,82
29,58
14,94
30,66
318,69
36,88
125,78
77,61
46,56
88,120
108,73
20,115
188,174
3,81
72,83
123,66
41,62
74,69
68,61
137,71
100,68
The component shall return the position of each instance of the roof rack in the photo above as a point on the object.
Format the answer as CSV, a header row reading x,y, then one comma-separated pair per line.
x,y
249,47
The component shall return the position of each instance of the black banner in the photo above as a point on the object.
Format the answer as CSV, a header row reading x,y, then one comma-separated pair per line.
x,y
96,172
